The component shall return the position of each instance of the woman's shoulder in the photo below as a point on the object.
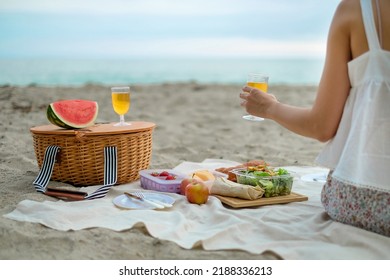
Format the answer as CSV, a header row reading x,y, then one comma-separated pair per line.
x,y
347,18
349,4
348,10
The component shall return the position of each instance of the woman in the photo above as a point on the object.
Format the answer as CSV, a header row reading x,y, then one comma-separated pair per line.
x,y
352,110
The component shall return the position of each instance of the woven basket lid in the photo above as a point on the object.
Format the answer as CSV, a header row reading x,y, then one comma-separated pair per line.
x,y
97,129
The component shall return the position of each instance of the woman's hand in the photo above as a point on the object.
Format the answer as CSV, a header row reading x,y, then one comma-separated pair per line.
x,y
257,102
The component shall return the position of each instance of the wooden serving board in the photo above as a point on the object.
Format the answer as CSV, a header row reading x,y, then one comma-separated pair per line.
x,y
240,203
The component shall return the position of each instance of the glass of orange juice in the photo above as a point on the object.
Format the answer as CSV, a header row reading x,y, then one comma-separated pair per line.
x,y
259,81
121,103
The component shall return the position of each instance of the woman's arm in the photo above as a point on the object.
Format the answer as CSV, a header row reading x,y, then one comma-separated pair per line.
x,y
322,120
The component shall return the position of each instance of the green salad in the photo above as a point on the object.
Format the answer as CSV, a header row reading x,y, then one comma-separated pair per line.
x,y
274,182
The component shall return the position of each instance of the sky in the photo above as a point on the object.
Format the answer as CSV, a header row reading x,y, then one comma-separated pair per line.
x,y
164,28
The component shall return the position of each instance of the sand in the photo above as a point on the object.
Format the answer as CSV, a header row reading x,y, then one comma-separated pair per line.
x,y
194,122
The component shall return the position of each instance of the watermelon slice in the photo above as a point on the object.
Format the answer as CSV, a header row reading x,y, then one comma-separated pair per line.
x,y
72,113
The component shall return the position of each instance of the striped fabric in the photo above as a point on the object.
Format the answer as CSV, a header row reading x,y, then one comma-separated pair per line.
x,y
44,175
110,171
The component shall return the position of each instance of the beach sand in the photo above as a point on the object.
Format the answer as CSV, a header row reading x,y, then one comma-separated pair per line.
x,y
194,122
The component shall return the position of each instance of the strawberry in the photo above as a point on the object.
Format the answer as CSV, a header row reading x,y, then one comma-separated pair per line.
x,y
170,177
164,174
155,174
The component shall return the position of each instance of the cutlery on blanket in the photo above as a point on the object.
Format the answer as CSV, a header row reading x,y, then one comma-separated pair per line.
x,y
139,196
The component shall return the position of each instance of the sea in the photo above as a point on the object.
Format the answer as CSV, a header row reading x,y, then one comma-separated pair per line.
x,y
79,72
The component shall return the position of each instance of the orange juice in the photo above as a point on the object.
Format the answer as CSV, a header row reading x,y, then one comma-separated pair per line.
x,y
121,102
259,85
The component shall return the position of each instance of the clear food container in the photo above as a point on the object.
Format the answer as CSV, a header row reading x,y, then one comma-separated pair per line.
x,y
151,180
278,184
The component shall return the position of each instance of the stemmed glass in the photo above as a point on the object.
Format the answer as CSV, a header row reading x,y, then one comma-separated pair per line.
x,y
259,81
121,103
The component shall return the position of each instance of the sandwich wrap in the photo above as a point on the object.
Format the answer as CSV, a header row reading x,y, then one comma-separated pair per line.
x,y
225,187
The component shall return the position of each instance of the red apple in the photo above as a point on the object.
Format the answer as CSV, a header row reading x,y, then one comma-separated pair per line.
x,y
197,192
184,184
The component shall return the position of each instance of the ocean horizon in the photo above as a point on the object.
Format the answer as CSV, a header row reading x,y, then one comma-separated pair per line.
x,y
79,72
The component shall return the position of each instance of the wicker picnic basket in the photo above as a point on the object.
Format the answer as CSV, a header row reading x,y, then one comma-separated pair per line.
x,y
80,161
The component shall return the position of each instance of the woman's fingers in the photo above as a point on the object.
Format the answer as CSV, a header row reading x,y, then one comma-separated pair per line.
x,y
244,95
248,89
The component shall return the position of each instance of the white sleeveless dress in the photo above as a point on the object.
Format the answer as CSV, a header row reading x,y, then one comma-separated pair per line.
x,y
359,154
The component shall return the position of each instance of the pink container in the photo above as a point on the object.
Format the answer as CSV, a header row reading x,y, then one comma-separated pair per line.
x,y
154,183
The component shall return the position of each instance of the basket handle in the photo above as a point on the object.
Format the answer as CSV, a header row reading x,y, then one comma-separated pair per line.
x,y
44,175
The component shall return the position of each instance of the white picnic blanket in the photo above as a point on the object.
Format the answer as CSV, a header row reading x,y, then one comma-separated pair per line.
x,y
298,230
